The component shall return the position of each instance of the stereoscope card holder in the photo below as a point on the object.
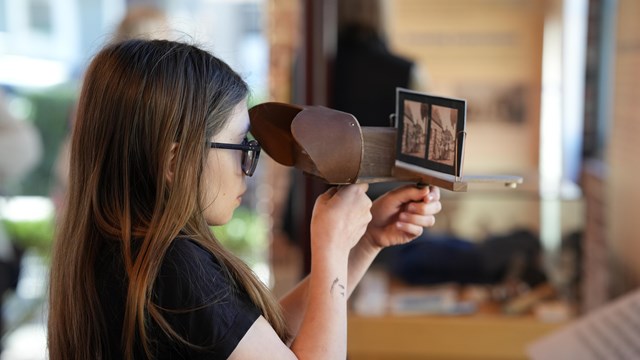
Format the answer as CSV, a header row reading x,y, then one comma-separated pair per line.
x,y
430,144
426,146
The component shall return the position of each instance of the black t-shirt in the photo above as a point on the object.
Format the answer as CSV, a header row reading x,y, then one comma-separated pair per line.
x,y
196,297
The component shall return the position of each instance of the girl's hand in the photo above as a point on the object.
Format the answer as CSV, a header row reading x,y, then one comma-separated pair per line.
x,y
400,215
340,218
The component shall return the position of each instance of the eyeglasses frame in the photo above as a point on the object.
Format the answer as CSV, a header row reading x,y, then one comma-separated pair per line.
x,y
246,146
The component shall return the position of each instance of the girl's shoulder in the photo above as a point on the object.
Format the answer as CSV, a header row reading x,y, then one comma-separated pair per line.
x,y
186,246
187,256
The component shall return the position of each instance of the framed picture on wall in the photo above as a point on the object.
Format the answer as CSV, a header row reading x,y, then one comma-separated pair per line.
x,y
431,131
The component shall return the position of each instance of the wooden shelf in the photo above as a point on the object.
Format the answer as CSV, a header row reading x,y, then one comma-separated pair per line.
x,y
480,337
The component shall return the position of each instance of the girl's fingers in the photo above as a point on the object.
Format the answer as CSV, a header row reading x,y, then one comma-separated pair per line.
x,y
418,220
412,230
434,194
429,208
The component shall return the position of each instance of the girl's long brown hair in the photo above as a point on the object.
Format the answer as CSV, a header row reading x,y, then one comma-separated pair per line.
x,y
139,98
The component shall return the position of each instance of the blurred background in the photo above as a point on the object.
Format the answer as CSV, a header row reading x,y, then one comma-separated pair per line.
x,y
549,90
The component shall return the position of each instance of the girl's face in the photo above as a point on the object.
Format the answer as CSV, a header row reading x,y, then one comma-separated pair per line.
x,y
224,181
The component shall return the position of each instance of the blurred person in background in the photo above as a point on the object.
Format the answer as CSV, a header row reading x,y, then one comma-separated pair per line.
x,y
366,71
20,152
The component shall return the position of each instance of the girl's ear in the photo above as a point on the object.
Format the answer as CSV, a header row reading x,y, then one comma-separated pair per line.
x,y
171,163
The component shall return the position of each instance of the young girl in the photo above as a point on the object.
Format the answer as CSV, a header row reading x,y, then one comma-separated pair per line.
x,y
159,154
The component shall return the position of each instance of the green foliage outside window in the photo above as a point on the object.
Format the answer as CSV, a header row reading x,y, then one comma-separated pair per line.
x,y
246,235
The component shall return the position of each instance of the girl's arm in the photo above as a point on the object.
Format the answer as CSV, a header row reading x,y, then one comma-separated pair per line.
x,y
398,217
319,324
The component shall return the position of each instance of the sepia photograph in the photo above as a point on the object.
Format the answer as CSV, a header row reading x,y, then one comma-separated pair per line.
x,y
414,135
442,138
430,131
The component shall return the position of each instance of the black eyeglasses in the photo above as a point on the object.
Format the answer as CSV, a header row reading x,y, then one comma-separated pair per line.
x,y
250,153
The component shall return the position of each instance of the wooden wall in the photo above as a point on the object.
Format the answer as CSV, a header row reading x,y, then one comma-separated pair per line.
x,y
623,197
489,53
